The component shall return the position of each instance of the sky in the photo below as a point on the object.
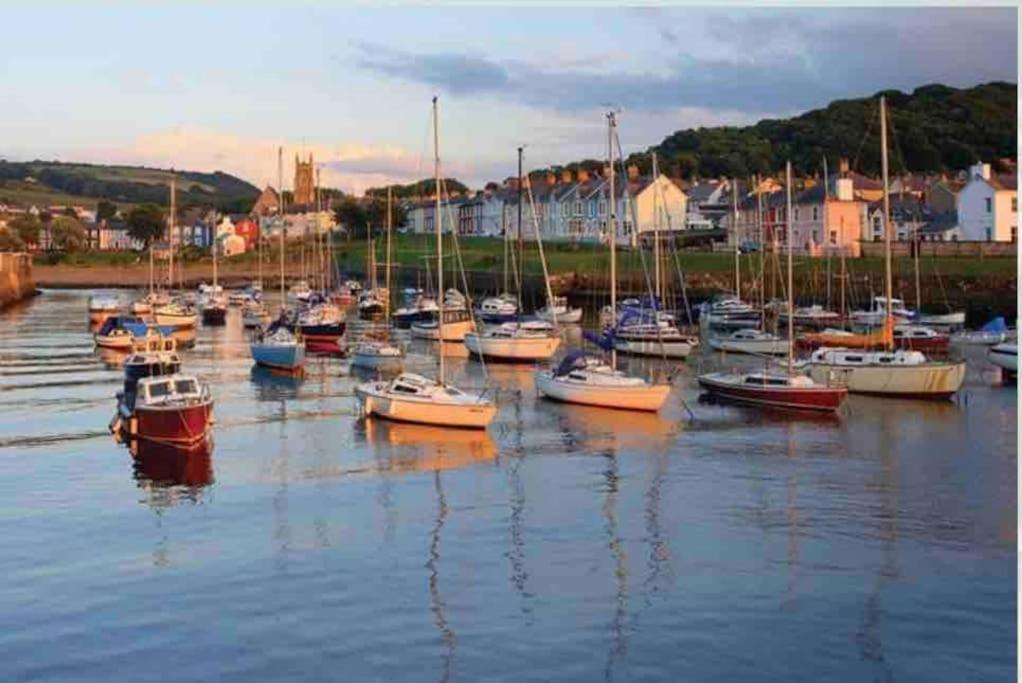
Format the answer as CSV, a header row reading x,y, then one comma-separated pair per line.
x,y
221,88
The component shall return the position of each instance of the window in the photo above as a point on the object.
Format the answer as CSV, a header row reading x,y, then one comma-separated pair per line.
x,y
833,236
603,208
796,213
816,213
1014,234
592,208
1014,204
989,202
989,234
578,208
565,209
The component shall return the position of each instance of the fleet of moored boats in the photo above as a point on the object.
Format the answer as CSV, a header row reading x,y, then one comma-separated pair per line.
x,y
885,350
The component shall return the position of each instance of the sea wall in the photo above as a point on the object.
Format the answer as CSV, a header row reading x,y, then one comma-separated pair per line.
x,y
15,278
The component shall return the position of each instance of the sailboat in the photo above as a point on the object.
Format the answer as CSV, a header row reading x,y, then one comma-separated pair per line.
x,y
651,332
769,388
896,373
590,381
518,341
213,304
277,346
145,305
382,353
411,397
177,312
253,311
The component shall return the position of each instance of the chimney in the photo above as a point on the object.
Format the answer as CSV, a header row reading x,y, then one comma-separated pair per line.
x,y
843,189
583,175
633,172
842,166
551,179
980,171
565,176
511,183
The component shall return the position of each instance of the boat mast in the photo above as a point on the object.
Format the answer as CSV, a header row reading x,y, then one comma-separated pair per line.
x,y
734,222
170,230
214,256
762,253
656,234
280,184
826,240
916,246
519,266
791,297
888,283
440,242
612,232
390,218
844,279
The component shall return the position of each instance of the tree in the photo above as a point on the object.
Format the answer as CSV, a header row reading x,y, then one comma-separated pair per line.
x,y
9,241
352,216
105,210
70,211
145,223
26,228
67,234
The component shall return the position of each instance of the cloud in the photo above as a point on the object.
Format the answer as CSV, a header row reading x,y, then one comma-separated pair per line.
x,y
779,60
352,167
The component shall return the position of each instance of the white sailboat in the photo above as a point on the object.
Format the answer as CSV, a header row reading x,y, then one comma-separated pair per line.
x,y
514,341
894,373
177,312
588,381
253,310
414,398
380,354
277,347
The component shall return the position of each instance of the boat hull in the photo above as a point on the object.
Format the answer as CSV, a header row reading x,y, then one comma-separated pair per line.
x,y
822,399
404,320
214,316
929,381
511,349
956,319
1003,359
454,332
938,344
649,398
178,321
116,341
468,416
182,425
373,361
279,356
771,347
572,316
652,347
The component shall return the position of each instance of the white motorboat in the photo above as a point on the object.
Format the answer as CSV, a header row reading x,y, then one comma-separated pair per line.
x,y
875,316
1005,356
102,307
299,292
814,316
558,311
180,314
497,309
377,355
579,379
729,312
254,314
513,342
456,325
954,319
900,373
661,340
750,341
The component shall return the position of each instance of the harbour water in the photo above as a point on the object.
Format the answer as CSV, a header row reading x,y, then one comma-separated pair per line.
x,y
564,543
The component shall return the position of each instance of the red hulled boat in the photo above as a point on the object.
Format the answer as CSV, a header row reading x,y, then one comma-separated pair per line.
x,y
790,392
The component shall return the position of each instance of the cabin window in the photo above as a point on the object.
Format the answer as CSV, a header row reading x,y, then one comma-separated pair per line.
x,y
853,359
885,359
159,390
184,386
401,388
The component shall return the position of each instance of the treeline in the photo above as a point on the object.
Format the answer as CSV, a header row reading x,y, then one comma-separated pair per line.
x,y
935,128
422,188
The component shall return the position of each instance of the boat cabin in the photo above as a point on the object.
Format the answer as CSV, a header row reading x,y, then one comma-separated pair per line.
x,y
170,390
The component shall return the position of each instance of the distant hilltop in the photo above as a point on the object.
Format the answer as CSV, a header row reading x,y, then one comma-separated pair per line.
x,y
44,183
934,129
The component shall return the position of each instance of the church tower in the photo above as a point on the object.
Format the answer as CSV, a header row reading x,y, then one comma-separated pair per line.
x,y
305,194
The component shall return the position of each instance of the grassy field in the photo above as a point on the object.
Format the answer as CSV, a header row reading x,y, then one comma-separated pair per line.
x,y
29,194
484,254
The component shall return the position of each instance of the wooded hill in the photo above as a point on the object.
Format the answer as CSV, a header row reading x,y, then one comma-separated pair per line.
x,y
125,184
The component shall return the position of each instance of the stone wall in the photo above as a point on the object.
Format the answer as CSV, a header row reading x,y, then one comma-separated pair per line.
x,y
15,278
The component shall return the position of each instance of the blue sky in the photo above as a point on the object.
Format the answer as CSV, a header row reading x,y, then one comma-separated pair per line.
x,y
220,88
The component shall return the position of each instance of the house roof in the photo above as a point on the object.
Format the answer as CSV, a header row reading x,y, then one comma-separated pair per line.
x,y
1004,181
940,223
702,191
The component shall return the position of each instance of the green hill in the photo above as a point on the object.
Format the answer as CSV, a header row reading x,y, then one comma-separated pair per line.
x,y
934,128
39,181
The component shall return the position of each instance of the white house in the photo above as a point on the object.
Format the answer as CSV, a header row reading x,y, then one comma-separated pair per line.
x,y
988,206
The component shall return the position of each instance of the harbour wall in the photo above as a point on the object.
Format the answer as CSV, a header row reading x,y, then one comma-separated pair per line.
x,y
16,281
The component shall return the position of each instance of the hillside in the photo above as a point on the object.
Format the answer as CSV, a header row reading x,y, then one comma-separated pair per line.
x,y
934,128
39,181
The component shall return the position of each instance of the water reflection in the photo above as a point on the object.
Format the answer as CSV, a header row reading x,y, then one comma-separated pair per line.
x,y
169,474
275,385
437,605
618,645
113,359
605,428
401,447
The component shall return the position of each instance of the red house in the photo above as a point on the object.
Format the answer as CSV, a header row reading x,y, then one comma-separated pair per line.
x,y
249,229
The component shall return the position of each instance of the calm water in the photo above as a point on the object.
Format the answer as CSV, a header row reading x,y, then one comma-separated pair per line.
x,y
567,543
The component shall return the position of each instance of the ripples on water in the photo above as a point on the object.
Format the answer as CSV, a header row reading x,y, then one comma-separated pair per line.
x,y
567,542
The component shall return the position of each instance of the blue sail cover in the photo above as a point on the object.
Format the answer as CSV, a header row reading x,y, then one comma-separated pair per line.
x,y
605,340
995,325
575,360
